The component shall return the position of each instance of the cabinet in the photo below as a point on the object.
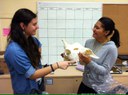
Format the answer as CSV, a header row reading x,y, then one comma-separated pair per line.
x,y
59,82
63,81
63,86
5,84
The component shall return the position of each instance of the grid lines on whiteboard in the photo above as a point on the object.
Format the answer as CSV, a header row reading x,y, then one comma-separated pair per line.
x,y
70,21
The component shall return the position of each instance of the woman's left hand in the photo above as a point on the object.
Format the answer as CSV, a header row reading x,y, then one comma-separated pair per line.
x,y
84,58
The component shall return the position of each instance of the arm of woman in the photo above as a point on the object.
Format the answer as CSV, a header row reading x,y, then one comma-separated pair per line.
x,y
44,71
105,63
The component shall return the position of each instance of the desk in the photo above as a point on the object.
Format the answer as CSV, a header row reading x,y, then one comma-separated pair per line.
x,y
63,81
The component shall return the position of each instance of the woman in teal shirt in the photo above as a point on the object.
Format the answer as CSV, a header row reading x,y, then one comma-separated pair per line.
x,y
23,54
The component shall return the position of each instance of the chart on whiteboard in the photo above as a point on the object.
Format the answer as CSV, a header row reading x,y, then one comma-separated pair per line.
x,y
72,21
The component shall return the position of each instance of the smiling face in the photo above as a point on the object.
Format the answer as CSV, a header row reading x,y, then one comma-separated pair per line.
x,y
98,32
31,28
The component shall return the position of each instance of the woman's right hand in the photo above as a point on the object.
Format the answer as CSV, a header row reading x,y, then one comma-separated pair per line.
x,y
64,64
84,59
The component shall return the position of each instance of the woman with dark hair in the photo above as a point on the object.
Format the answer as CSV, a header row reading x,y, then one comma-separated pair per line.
x,y
105,43
23,54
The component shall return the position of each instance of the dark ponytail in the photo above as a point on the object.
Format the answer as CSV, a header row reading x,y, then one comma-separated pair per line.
x,y
109,26
116,38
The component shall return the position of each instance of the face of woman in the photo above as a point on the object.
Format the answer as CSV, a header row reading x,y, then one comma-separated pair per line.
x,y
98,31
31,28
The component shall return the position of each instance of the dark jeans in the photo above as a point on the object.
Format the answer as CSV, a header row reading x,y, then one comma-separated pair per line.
x,y
41,88
34,91
84,89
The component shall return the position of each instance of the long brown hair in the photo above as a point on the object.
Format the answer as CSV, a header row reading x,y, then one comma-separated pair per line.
x,y
16,34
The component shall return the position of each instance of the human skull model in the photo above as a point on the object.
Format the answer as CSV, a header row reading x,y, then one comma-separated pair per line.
x,y
72,50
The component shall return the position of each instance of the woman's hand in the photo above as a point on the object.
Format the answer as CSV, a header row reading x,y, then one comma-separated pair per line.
x,y
84,59
64,64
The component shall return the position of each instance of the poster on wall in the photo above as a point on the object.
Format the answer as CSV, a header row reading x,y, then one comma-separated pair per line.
x,y
72,21
6,31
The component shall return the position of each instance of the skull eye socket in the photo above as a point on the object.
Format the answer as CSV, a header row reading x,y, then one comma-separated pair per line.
x,y
88,52
67,51
75,48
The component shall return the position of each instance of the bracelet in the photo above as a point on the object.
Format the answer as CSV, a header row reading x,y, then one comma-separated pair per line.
x,y
57,64
52,68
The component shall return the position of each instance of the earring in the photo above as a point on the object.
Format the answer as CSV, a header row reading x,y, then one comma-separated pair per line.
x,y
23,32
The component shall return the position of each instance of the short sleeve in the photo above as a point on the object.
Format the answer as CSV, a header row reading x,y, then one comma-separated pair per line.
x,y
22,64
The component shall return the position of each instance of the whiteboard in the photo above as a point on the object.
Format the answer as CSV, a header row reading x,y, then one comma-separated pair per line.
x,y
72,21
